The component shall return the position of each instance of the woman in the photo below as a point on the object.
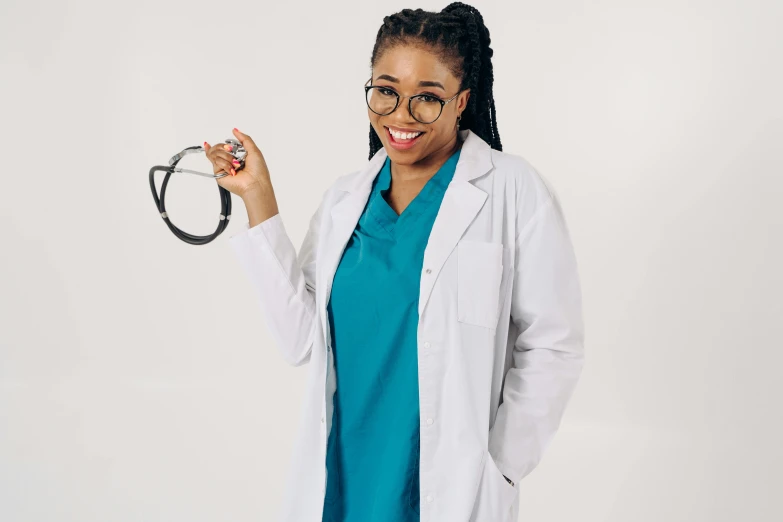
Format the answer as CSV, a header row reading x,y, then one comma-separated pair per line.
x,y
435,296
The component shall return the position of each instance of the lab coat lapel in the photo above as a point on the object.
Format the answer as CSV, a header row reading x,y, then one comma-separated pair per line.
x,y
461,202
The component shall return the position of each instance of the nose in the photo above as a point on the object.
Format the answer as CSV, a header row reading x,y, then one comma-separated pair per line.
x,y
402,116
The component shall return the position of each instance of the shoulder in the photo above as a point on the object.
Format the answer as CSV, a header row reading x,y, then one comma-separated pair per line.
x,y
533,191
529,182
345,179
341,183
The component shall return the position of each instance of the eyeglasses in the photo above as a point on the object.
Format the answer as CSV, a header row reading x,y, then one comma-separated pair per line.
x,y
425,108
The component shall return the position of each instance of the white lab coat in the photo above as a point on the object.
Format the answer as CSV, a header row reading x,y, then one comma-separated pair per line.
x,y
500,334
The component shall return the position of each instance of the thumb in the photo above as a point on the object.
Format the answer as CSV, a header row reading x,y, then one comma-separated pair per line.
x,y
246,141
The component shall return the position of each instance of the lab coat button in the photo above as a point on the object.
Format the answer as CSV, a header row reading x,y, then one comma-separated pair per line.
x,y
429,498
430,421
426,345
427,271
322,420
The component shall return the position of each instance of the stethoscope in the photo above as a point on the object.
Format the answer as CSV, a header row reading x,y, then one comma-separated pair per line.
x,y
237,150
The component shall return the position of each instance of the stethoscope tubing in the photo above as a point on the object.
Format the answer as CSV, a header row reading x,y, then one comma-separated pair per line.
x,y
225,195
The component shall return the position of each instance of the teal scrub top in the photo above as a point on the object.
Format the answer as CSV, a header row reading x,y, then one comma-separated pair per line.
x,y
372,455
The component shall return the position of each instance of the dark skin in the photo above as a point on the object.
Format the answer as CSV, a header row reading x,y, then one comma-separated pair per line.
x,y
411,169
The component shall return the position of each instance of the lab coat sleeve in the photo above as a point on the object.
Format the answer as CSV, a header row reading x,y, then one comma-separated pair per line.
x,y
548,353
283,281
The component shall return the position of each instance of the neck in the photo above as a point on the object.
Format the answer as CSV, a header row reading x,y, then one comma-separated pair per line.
x,y
423,170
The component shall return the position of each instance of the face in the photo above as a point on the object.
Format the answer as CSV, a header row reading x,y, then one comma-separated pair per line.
x,y
401,69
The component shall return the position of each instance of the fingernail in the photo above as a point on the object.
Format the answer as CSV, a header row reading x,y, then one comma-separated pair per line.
x,y
235,162
236,129
233,172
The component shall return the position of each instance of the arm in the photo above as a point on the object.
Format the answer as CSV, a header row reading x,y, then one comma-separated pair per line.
x,y
283,281
548,353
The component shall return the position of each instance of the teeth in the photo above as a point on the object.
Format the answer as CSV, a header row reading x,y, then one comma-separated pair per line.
x,y
403,135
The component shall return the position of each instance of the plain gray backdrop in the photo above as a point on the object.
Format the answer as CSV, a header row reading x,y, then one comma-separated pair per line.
x,y
138,381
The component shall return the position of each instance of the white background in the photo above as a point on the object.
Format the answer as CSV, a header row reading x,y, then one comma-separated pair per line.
x,y
138,381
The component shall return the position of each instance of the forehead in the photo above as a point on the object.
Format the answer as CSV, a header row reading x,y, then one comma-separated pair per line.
x,y
411,64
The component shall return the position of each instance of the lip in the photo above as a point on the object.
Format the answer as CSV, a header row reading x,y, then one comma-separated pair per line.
x,y
402,146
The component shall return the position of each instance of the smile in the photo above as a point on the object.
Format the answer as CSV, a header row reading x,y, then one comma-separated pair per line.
x,y
402,140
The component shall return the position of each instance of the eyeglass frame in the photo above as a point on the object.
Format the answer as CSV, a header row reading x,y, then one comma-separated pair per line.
x,y
400,98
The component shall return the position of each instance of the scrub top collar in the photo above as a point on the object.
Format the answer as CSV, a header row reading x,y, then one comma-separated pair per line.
x,y
432,190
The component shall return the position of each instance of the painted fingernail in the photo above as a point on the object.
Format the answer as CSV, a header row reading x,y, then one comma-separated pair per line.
x,y
233,172
235,162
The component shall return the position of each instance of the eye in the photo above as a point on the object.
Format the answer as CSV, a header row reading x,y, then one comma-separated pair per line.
x,y
386,92
428,99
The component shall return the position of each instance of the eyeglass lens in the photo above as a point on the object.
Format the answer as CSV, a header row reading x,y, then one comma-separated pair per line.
x,y
382,101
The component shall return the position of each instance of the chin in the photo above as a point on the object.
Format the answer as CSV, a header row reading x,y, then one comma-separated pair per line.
x,y
401,157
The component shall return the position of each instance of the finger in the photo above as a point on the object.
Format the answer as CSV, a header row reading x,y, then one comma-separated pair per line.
x,y
246,141
220,153
223,164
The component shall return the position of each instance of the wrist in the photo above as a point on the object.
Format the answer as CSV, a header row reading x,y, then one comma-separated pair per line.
x,y
257,189
260,204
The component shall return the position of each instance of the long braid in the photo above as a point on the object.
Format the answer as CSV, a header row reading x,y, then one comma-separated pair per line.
x,y
459,36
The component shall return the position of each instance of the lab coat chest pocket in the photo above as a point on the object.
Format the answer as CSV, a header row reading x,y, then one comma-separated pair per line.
x,y
479,274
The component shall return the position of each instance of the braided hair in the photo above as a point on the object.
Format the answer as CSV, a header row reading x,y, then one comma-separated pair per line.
x,y
458,35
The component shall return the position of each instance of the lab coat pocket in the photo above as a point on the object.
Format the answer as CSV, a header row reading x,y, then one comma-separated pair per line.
x,y
495,497
479,274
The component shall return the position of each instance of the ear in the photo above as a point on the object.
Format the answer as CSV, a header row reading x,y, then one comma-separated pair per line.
x,y
463,99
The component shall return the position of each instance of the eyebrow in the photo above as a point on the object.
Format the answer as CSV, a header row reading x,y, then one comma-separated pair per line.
x,y
423,83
